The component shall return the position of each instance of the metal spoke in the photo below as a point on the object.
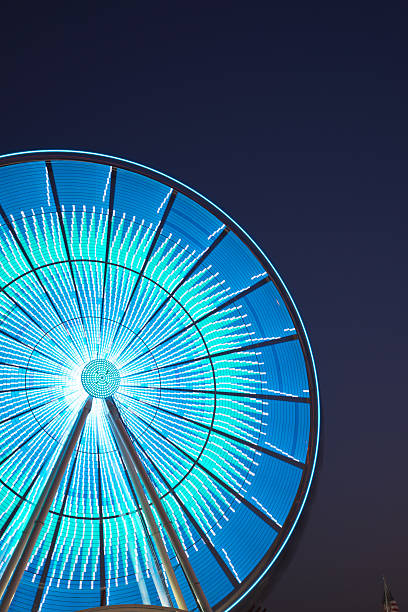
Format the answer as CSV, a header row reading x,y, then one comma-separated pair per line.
x,y
28,259
147,258
228,302
22,499
248,394
193,521
60,216
108,236
225,485
238,349
198,263
260,449
32,348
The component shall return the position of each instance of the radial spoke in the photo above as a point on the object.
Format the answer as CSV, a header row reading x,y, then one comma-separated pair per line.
x,y
33,435
63,232
108,236
266,396
229,436
238,349
26,368
22,498
28,259
147,258
32,348
193,521
229,302
193,268
17,389
30,317
19,414
271,522
225,485
34,269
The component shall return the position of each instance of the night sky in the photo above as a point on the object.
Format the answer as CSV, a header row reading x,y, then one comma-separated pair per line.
x,y
294,120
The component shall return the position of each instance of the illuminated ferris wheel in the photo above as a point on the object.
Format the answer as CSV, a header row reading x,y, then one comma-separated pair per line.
x,y
159,413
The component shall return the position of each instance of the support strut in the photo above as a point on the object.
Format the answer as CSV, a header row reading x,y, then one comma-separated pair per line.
x,y
18,562
138,472
123,442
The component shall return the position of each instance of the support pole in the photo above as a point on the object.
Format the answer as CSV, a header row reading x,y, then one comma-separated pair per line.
x,y
139,470
123,444
22,553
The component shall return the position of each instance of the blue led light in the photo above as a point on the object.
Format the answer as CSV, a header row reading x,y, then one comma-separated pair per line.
x,y
117,280
100,378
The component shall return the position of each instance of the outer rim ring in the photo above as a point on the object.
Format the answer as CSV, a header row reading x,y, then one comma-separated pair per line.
x,y
294,514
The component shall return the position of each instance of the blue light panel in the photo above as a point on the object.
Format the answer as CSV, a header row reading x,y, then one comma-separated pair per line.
x,y
101,259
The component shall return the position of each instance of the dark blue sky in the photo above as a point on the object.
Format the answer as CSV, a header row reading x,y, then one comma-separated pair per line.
x,y
294,120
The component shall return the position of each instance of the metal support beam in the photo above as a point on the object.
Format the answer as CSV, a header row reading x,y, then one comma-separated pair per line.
x,y
124,443
18,562
138,469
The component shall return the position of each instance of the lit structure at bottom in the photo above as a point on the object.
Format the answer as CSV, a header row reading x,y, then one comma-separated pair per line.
x,y
159,414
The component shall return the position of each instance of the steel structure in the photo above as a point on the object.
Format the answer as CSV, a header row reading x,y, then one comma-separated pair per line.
x,y
159,412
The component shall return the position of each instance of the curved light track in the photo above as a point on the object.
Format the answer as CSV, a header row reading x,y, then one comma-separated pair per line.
x,y
187,325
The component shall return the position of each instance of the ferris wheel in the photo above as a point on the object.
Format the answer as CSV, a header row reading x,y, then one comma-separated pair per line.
x,y
159,411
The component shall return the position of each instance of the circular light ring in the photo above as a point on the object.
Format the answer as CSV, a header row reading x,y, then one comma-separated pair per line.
x,y
103,259
100,378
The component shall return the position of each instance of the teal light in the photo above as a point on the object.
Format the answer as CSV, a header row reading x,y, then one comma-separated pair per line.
x,y
117,280
100,378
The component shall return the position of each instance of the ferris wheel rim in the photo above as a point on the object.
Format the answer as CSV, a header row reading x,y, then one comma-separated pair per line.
x,y
254,577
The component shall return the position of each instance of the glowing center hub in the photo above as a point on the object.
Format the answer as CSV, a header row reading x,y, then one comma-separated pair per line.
x,y
100,378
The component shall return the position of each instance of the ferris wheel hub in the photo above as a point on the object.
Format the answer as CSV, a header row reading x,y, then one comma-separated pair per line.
x,y
100,378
